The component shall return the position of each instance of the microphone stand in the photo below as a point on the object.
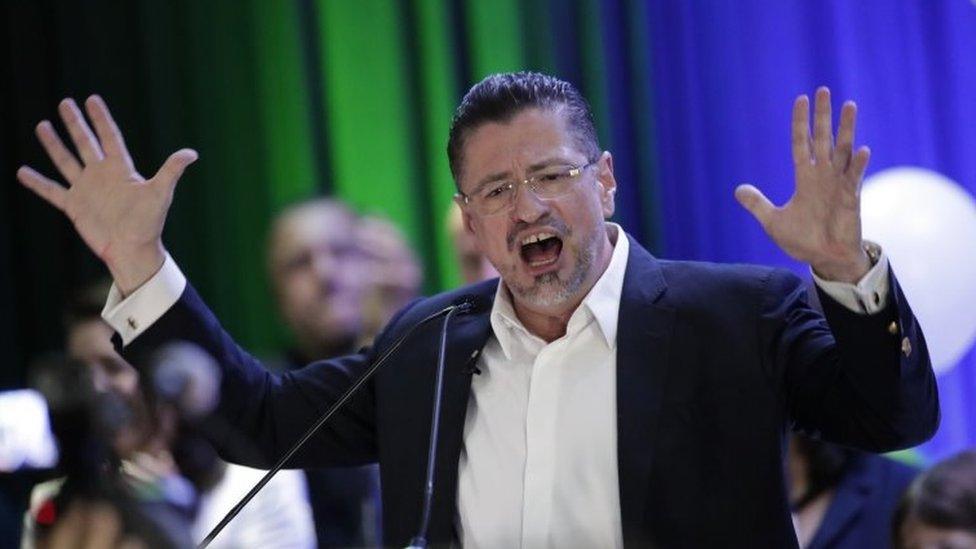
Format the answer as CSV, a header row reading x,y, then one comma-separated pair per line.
x,y
463,307
420,540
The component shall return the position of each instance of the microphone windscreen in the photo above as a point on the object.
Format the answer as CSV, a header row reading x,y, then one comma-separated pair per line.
x,y
187,376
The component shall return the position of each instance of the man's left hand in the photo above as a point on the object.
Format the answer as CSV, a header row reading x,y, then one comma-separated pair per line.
x,y
821,223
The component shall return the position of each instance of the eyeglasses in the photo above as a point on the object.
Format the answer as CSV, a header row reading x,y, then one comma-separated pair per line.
x,y
499,196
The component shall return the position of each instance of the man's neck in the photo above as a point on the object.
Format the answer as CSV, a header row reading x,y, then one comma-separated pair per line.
x,y
546,326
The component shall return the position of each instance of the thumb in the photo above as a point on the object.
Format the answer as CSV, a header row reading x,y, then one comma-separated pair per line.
x,y
756,202
171,170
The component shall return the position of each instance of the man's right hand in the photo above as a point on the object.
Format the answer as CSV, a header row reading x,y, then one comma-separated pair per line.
x,y
117,212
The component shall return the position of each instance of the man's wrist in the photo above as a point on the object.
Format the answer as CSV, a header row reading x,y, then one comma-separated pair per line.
x,y
848,271
870,294
134,268
130,316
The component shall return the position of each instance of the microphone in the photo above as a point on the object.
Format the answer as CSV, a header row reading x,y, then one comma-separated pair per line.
x,y
472,304
467,304
186,376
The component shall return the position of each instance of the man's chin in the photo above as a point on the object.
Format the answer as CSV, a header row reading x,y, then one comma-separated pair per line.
x,y
549,281
547,290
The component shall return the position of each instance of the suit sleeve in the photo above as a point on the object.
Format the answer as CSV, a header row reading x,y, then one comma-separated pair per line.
x,y
261,414
861,380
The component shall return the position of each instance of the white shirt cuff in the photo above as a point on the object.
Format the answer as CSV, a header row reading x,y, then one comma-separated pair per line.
x,y
868,296
134,314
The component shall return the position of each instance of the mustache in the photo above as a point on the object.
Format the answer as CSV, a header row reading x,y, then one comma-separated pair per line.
x,y
549,222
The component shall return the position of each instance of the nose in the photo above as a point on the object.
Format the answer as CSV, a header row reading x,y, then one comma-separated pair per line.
x,y
100,381
323,264
527,207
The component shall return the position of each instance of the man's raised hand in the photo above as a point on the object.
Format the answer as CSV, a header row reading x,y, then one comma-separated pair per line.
x,y
821,223
118,213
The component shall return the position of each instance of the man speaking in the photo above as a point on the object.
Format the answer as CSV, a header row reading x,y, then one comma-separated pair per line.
x,y
620,399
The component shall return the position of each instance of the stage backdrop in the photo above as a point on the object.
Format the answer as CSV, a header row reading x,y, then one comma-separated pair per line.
x,y
725,75
292,99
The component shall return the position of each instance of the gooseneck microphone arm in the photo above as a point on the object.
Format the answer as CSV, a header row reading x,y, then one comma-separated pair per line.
x,y
420,540
462,307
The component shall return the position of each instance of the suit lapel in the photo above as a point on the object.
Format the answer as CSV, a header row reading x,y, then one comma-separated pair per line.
x,y
643,347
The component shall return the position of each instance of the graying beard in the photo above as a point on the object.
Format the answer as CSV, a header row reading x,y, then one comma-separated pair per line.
x,y
537,294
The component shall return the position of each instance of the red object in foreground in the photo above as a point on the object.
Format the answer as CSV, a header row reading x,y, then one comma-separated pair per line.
x,y
47,513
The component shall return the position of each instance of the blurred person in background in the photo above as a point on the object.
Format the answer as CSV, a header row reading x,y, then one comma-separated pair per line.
x,y
279,516
840,497
88,339
139,441
392,272
92,525
318,274
938,511
474,266
173,473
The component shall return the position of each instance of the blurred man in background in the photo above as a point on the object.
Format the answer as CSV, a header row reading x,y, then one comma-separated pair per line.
x,y
474,266
279,516
140,434
88,339
318,273
939,509
840,497
175,476
392,273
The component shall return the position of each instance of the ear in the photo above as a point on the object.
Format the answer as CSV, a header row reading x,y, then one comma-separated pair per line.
x,y
466,219
608,183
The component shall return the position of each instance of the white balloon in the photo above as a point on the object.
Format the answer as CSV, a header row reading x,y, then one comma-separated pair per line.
x,y
926,223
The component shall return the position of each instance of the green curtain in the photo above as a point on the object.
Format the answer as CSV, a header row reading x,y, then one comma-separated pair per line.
x,y
284,100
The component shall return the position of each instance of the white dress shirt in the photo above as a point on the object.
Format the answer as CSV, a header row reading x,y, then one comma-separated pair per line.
x,y
278,516
539,463
538,467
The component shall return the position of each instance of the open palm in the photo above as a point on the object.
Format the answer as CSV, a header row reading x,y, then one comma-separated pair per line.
x,y
821,222
118,213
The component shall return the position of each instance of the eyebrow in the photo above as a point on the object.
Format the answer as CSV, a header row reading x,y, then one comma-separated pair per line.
x,y
501,176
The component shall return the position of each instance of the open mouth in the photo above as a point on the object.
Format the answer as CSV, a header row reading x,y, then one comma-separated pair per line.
x,y
541,249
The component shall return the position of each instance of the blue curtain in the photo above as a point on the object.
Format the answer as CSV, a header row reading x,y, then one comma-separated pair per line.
x,y
725,74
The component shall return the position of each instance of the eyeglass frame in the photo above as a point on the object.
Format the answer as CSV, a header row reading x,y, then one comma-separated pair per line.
x,y
573,173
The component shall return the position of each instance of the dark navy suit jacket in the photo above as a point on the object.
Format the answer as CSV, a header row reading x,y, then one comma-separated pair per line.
x,y
714,364
860,513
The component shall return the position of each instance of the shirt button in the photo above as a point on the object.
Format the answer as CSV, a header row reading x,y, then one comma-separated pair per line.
x,y
893,328
132,323
906,347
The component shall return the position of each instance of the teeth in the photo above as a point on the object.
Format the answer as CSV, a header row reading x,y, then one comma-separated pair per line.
x,y
542,262
538,237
